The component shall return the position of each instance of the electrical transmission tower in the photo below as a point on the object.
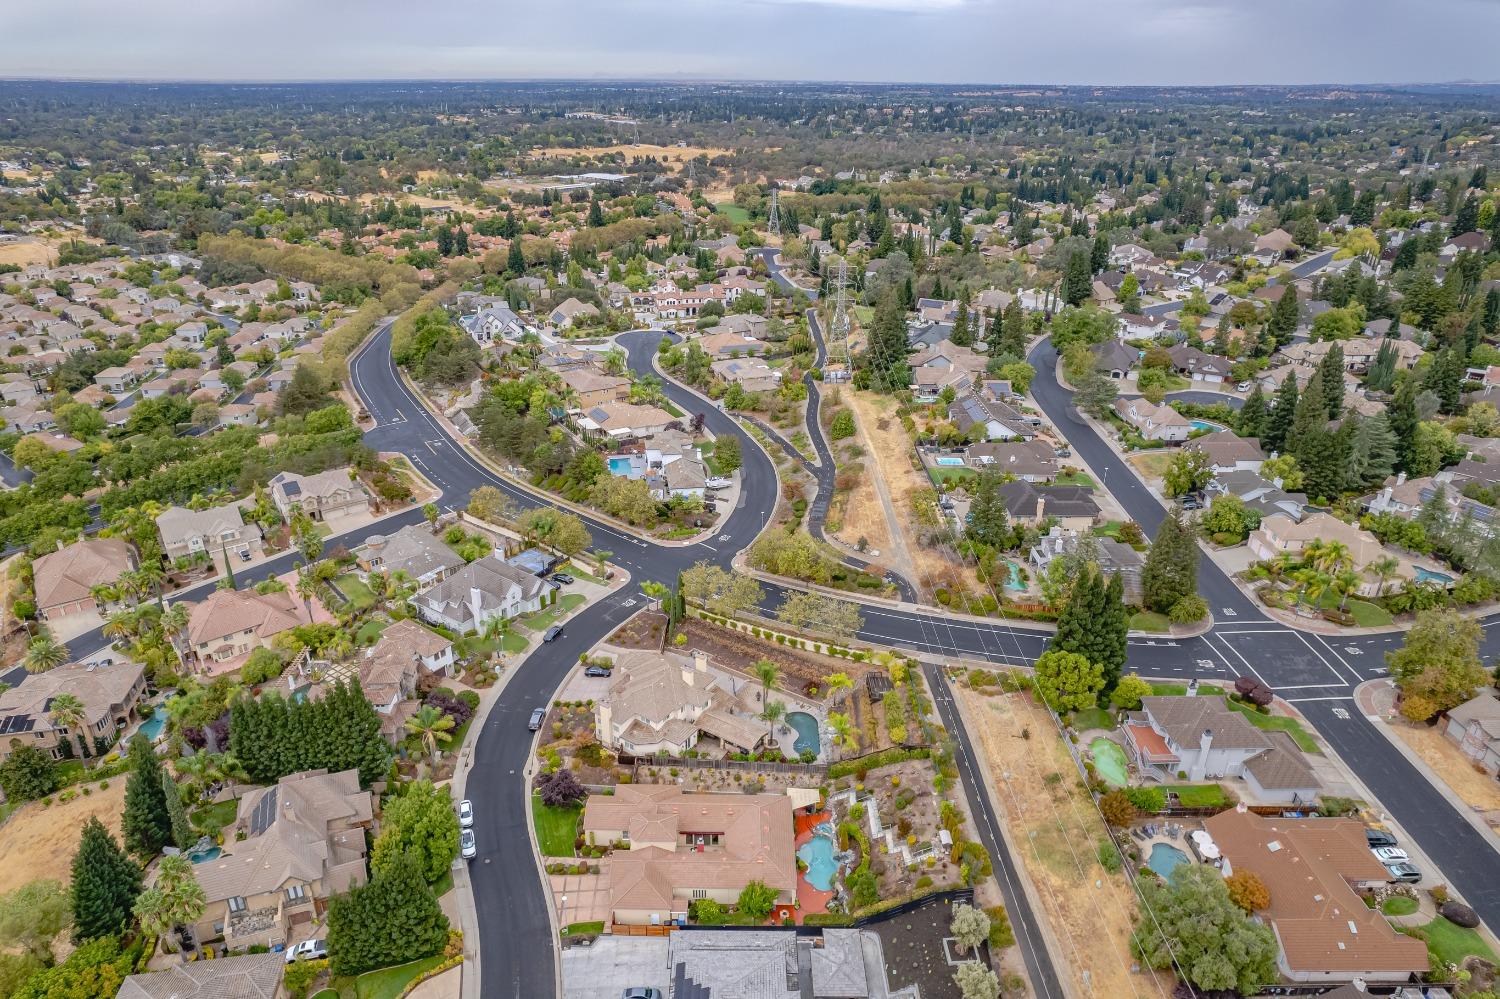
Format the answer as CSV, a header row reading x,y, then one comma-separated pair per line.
x,y
838,333
775,213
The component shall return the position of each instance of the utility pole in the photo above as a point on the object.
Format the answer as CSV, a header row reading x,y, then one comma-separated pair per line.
x,y
775,225
838,332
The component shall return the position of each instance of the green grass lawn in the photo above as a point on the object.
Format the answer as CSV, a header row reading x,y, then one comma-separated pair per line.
x,y
212,818
1082,721
1399,905
1453,943
583,929
556,828
864,314
733,212
547,617
326,994
1279,723
951,474
1199,795
1151,621
369,632
1077,479
480,645
706,451
387,983
444,884
1366,614
358,592
667,405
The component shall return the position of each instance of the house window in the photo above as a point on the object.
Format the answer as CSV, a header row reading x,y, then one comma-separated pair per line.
x,y
700,893
296,893
237,904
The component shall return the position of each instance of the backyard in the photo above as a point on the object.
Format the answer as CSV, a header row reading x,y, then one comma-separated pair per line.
x,y
355,590
39,840
1451,942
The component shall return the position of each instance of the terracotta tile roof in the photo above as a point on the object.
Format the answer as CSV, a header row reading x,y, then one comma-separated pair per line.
x,y
68,575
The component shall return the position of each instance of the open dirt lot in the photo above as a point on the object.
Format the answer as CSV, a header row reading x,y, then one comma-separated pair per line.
x,y
39,842
1058,833
1478,790
859,510
24,253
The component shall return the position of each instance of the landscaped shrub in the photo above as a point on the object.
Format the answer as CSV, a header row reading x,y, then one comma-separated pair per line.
x,y
1459,914
1147,799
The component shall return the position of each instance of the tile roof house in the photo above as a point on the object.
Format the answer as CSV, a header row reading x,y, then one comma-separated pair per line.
x,y
483,591
408,641
1073,507
1114,558
1030,461
1475,727
727,344
1155,423
246,976
751,375
216,530
324,496
665,702
1205,739
976,416
304,843
109,695
943,365
414,550
1280,535
1324,930
64,580
690,845
226,626
594,389
1227,451
624,419
570,311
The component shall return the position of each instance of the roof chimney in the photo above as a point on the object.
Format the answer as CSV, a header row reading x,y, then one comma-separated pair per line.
x,y
1206,741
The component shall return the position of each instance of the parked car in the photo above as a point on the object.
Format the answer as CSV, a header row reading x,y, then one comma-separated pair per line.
x,y
1242,387
1062,452
562,577
467,844
307,950
466,813
1192,502
1379,837
718,482
1390,855
552,633
596,671
1404,873
537,717
642,992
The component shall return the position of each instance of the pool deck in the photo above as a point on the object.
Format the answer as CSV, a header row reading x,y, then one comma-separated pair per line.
x,y
809,899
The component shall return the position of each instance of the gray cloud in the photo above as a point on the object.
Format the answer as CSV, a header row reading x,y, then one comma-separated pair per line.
x,y
940,41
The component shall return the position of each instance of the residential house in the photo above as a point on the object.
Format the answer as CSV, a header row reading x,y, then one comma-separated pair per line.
x,y
1280,535
492,322
482,592
945,365
1205,739
1474,726
772,964
663,703
215,531
988,418
64,580
1072,506
117,381
1273,246
1324,931
1133,326
591,388
721,345
1029,461
1114,558
414,550
325,496
243,976
752,375
1258,494
1405,498
408,641
570,312
686,845
1197,366
1228,451
303,843
109,695
226,626
1154,422
624,420
1115,359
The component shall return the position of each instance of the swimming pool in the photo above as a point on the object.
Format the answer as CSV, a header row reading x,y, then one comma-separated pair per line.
x,y
1204,425
807,731
1430,576
152,727
1014,581
619,466
1109,761
212,853
817,854
1165,858
948,461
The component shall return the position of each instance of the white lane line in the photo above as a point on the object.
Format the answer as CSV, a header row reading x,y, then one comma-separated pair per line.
x,y
1242,659
1314,649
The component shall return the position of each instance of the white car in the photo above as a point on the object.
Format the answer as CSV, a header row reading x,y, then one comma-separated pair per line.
x,y
718,482
1391,854
307,950
1242,387
465,813
467,845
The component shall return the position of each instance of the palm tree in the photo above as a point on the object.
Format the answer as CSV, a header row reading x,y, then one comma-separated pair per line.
x,y
1334,556
44,653
307,587
175,900
175,620
766,672
1346,581
1385,569
843,730
67,712
105,594
149,577
772,713
120,624
600,557
837,683
432,726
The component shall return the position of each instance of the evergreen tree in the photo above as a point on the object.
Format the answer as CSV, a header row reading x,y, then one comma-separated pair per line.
x,y
1331,376
962,334
1382,373
146,825
1111,636
1445,379
885,355
1279,423
596,214
1013,339
1492,302
105,884
392,920
444,241
1254,416
1221,337
182,830
1372,454
515,261
1466,219
1079,614
1310,415
1171,569
1099,257
1403,418
1078,282
1283,321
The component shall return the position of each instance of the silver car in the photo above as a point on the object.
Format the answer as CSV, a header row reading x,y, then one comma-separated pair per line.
x,y
467,844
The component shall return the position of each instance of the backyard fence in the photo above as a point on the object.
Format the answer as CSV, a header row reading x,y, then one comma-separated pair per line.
x,y
819,770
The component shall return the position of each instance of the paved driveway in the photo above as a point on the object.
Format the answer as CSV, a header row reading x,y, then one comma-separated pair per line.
x,y
587,897
613,964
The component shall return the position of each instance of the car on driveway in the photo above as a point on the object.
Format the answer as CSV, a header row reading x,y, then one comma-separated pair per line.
x,y
537,717
1405,873
596,671
307,950
1390,855
1379,837
467,844
552,633
562,578
642,992
466,813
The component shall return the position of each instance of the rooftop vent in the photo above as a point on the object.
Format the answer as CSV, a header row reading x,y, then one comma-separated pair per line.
x,y
1274,846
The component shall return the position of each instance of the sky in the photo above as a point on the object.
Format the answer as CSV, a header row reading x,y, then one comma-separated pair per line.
x,y
1104,42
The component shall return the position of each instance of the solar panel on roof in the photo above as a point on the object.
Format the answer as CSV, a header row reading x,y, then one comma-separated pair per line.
x,y
292,488
264,814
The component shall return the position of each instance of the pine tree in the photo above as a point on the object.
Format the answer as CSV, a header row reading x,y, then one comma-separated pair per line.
x,y
962,334
1254,417
1171,569
1099,257
515,262
105,884
146,826
885,356
1112,634
1331,375
1078,614
1279,423
1372,454
182,830
596,214
1382,373
392,920
1283,321
1445,379
1221,337
1311,415
1078,282
1403,418
1013,339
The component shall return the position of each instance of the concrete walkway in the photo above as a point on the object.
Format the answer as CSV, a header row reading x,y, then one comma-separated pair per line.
x,y
448,985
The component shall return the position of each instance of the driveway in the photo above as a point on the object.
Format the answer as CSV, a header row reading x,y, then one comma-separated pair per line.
x,y
613,964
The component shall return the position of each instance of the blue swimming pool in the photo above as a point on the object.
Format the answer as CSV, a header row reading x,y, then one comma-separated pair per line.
x,y
619,466
1014,581
1429,576
212,853
817,854
948,460
1205,425
152,727
1166,858
807,731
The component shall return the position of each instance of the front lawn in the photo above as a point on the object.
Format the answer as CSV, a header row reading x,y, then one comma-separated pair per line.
x,y
1082,721
1152,465
386,983
1199,795
1399,905
1150,621
1279,723
591,929
481,645
706,452
556,828
355,590
547,616
1452,943
1365,614
1076,479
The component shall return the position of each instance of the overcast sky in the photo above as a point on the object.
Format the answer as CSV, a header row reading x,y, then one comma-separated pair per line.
x,y
936,41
